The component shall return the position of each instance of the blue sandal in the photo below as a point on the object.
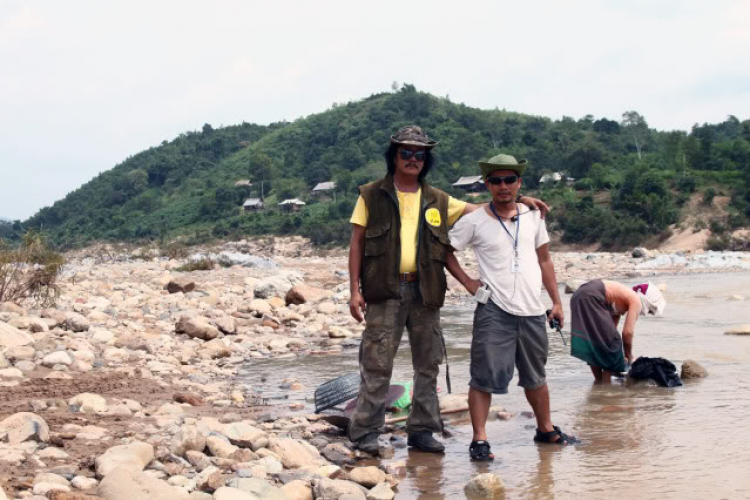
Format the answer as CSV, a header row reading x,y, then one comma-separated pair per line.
x,y
480,451
555,437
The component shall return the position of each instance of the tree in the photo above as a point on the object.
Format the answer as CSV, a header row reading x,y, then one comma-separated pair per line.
x,y
636,127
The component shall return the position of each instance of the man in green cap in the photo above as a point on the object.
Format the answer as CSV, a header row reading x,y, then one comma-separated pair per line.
x,y
399,246
511,246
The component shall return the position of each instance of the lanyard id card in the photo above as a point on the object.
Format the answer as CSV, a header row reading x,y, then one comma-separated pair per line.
x,y
515,264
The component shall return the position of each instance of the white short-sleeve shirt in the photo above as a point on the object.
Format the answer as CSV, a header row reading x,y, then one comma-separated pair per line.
x,y
517,293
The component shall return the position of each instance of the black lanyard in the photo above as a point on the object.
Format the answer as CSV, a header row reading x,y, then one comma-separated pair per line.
x,y
518,225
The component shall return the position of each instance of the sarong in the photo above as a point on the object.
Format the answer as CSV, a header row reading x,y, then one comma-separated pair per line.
x,y
594,336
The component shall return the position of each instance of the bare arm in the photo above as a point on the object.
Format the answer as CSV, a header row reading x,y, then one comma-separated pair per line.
x,y
532,203
356,252
453,267
628,329
550,282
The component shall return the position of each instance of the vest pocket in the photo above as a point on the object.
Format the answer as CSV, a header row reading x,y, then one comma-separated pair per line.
x,y
439,244
376,240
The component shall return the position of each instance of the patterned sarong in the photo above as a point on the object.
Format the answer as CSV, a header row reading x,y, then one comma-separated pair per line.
x,y
594,336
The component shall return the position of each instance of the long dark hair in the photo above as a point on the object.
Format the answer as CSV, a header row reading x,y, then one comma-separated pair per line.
x,y
390,160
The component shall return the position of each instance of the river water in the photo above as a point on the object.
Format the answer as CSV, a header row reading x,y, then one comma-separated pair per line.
x,y
638,442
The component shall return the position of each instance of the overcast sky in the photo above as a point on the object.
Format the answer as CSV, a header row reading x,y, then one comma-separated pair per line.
x,y
85,84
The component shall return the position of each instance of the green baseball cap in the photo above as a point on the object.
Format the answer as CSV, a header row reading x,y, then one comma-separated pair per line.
x,y
502,162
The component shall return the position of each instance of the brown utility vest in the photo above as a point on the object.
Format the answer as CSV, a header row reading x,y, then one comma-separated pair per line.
x,y
382,252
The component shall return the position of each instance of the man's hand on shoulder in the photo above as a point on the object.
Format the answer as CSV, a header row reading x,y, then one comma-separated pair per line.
x,y
535,204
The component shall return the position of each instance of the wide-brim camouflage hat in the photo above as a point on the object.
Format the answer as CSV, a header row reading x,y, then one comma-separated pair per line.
x,y
502,162
412,136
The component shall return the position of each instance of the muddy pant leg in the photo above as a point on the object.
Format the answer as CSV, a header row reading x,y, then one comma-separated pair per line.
x,y
426,354
376,352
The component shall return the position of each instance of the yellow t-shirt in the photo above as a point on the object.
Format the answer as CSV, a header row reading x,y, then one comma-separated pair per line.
x,y
408,205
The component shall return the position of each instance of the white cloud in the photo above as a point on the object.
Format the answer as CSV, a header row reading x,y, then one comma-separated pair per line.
x,y
86,84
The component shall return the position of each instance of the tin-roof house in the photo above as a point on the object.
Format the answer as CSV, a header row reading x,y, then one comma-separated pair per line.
x,y
471,184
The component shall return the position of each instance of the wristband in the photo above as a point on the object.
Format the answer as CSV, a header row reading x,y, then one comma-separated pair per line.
x,y
518,198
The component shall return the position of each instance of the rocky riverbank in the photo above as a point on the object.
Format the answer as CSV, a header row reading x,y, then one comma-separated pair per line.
x,y
128,388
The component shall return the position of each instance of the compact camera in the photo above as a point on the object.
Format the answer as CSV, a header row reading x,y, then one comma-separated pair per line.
x,y
483,294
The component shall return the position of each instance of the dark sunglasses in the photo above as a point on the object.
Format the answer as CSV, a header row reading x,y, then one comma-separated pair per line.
x,y
405,154
508,179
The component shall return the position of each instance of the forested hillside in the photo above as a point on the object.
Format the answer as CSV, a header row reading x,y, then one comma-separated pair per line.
x,y
630,181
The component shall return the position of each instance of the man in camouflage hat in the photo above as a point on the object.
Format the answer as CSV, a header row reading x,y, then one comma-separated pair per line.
x,y
399,247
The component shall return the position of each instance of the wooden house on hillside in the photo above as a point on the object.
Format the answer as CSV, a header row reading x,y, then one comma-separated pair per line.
x,y
253,204
324,190
471,184
292,205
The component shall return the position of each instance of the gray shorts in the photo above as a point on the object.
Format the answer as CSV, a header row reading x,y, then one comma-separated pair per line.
x,y
502,341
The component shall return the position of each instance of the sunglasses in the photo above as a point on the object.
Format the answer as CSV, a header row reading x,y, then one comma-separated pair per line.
x,y
508,179
405,154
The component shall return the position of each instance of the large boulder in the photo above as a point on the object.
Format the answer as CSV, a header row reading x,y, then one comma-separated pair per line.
x,y
295,454
382,491
245,435
12,308
57,358
302,294
297,490
454,401
692,369
367,476
226,325
273,286
486,485
229,259
11,336
22,427
135,455
214,349
76,322
259,306
572,285
197,327
640,253
220,446
257,488
127,483
88,402
329,489
177,285
188,438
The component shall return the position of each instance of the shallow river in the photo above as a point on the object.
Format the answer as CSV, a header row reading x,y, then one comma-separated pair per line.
x,y
645,442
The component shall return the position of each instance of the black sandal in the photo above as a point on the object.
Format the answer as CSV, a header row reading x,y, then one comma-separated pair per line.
x,y
549,437
480,451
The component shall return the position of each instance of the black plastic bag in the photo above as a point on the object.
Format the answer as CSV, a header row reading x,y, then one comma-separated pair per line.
x,y
659,369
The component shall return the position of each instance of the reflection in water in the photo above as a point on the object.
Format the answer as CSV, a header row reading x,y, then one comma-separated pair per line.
x,y
426,472
638,442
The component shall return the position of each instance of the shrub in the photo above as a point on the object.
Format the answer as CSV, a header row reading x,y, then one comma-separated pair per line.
x,y
686,184
719,243
204,264
717,227
30,271
708,196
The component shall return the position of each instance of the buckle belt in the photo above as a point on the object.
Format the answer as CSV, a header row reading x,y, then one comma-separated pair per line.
x,y
408,277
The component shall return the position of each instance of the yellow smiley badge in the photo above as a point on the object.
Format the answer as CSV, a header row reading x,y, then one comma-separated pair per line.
x,y
433,217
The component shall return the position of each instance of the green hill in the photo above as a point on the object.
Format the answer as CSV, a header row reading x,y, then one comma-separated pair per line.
x,y
630,180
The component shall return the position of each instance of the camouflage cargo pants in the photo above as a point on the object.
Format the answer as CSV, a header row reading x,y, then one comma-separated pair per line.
x,y
385,324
